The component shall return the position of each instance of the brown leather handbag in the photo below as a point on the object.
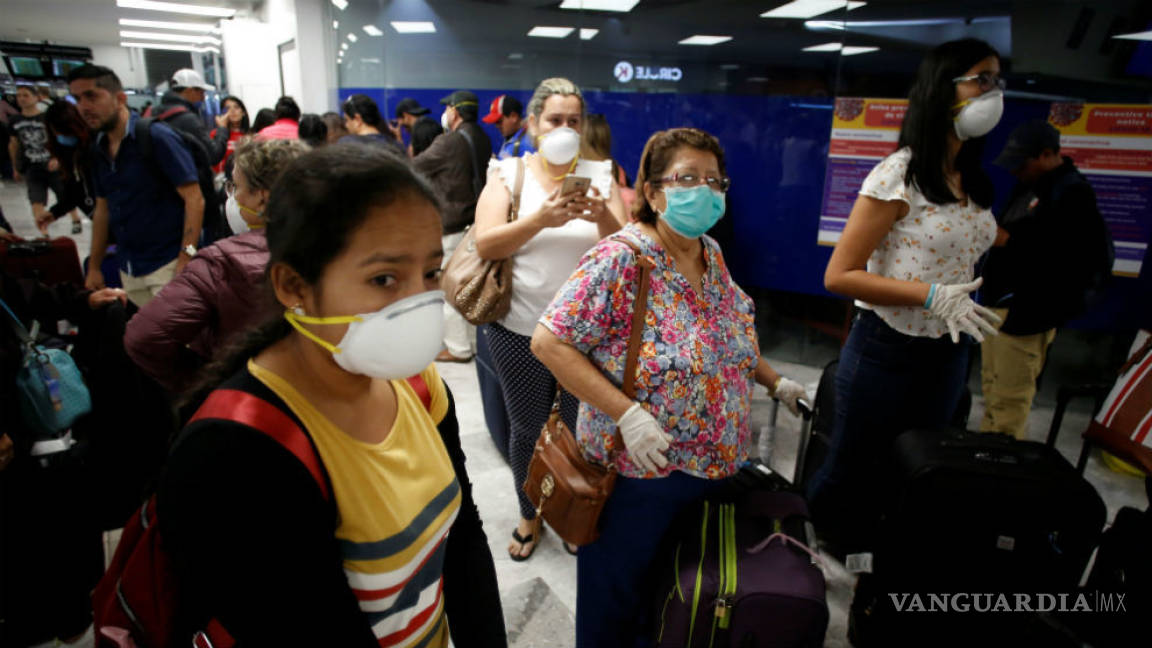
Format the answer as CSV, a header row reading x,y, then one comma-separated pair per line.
x,y
481,289
568,490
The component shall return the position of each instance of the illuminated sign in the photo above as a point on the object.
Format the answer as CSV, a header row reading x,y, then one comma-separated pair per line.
x,y
625,72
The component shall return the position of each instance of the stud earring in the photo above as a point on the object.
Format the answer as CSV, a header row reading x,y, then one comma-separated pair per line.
x,y
298,309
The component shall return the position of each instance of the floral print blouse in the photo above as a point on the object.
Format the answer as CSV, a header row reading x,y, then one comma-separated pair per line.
x,y
697,357
932,243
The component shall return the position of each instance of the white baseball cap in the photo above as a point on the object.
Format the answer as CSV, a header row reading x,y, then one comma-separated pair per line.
x,y
189,78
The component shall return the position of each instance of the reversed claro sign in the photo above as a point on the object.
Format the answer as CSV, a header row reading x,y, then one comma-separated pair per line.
x,y
626,72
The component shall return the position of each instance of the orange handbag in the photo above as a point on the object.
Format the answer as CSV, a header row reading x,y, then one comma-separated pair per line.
x,y
568,490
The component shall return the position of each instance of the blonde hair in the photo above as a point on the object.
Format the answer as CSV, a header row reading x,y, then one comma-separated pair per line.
x,y
550,87
262,161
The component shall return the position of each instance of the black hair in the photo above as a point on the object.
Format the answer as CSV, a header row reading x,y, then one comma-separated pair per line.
x,y
62,118
929,120
314,208
286,108
245,126
313,130
104,77
265,117
362,106
467,112
424,131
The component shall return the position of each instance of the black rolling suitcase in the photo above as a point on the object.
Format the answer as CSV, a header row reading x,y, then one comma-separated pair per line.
x,y
973,514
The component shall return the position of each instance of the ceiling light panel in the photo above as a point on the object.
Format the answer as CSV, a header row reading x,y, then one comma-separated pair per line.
x,y
352,37
826,47
809,8
175,7
161,24
1144,36
600,5
372,30
852,50
414,27
170,46
179,38
702,39
340,4
588,34
550,32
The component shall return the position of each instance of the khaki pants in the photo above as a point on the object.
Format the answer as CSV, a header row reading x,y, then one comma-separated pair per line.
x,y
459,335
142,289
1010,365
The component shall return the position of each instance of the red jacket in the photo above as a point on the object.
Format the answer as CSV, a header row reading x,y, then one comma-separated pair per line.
x,y
219,293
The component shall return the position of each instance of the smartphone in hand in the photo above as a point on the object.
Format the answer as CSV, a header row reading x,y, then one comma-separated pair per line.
x,y
575,184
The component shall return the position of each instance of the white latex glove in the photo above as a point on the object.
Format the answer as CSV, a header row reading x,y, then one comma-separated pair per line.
x,y
788,392
952,304
645,438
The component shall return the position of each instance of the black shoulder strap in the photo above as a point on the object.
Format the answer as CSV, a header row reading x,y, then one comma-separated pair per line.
x,y
477,181
143,132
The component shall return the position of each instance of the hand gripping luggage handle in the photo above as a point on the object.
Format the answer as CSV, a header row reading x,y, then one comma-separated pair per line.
x,y
805,436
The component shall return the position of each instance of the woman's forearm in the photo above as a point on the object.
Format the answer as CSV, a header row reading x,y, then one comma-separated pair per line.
x,y
878,290
766,375
577,374
502,241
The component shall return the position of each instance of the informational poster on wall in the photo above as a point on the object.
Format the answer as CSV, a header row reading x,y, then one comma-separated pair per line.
x,y
1112,145
864,131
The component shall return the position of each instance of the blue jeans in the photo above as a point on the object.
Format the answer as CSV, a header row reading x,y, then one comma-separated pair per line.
x,y
887,383
613,579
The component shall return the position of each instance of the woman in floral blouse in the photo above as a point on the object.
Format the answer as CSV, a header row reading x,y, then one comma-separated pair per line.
x,y
906,256
689,425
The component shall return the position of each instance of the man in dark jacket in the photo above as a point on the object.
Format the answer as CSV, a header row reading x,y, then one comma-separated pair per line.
x,y
187,91
457,163
1052,250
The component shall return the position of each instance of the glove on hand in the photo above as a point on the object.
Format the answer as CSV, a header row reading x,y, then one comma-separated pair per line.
x,y
644,438
951,303
788,392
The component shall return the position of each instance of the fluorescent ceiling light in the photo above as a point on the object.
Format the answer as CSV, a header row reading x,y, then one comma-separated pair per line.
x,y
1144,36
160,24
414,27
550,32
846,50
178,38
352,37
335,24
344,46
758,79
700,39
600,5
730,66
170,46
372,30
176,7
588,34
809,8
861,24
340,4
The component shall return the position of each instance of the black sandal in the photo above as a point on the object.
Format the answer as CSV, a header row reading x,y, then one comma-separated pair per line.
x,y
523,540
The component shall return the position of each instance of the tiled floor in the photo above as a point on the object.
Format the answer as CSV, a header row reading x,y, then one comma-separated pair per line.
x,y
539,595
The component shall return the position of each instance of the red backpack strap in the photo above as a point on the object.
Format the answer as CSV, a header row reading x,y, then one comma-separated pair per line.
x,y
421,388
258,414
171,112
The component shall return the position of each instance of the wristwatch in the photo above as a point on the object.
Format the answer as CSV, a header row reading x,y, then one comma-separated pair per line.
x,y
190,250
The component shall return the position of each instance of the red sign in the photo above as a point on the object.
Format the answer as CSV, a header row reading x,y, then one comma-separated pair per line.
x,y
1120,121
883,115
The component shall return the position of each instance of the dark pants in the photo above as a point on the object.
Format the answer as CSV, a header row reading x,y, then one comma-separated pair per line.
x,y
887,383
491,393
529,391
613,574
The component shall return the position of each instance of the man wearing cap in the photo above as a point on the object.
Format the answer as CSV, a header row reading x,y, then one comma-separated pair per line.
x,y
1052,251
506,113
457,165
180,109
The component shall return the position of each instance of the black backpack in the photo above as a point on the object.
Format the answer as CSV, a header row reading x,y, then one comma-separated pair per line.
x,y
215,226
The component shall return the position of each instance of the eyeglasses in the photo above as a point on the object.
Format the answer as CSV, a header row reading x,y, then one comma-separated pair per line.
x,y
688,181
987,81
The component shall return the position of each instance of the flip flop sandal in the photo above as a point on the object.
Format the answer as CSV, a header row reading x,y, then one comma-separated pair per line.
x,y
523,540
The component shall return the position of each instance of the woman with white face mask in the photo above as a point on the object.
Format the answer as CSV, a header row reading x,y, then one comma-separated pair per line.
x,y
217,294
907,256
688,428
545,243
352,546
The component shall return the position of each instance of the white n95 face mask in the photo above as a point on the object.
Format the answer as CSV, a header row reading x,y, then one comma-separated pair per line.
x,y
235,220
395,342
559,145
979,115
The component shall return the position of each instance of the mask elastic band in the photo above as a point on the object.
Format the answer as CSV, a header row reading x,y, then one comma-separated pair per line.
x,y
297,320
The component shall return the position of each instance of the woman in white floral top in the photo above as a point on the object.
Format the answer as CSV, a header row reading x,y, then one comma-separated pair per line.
x,y
906,256
697,365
